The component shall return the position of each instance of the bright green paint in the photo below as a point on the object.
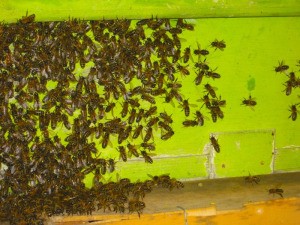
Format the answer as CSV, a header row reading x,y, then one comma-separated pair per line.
x,y
287,159
254,47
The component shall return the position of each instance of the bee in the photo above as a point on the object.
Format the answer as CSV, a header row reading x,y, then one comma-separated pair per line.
x,y
123,154
105,140
111,165
294,111
181,24
288,87
174,85
218,102
137,132
140,115
36,101
206,101
277,191
149,146
199,77
152,110
249,102
153,121
183,70
186,107
97,177
148,98
215,144
132,150
165,126
124,111
175,30
190,123
110,107
199,118
213,75
167,135
200,52
147,158
27,19
134,102
132,115
177,43
136,206
167,118
160,80
66,122
218,44
252,179
149,134
210,90
281,67
186,55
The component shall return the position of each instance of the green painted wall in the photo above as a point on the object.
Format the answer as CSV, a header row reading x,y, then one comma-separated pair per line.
x,y
250,140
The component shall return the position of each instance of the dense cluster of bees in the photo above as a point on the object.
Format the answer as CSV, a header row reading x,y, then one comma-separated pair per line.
x,y
293,82
126,71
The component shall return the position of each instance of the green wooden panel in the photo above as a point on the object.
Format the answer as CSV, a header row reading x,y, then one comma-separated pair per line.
x,y
287,159
243,153
49,10
254,47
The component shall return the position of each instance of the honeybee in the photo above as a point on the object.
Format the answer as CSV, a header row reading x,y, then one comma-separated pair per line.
x,y
132,150
249,102
281,67
199,118
186,55
183,70
152,110
132,115
215,144
174,85
213,74
123,154
190,123
153,121
294,111
149,134
147,158
200,51
186,107
277,191
27,19
166,117
218,44
165,126
136,206
252,179
140,115
111,165
210,90
181,24
199,77
137,131
288,87
149,146
167,135
124,111
105,140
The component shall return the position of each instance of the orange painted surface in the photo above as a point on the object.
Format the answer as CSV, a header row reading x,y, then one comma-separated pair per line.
x,y
275,212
